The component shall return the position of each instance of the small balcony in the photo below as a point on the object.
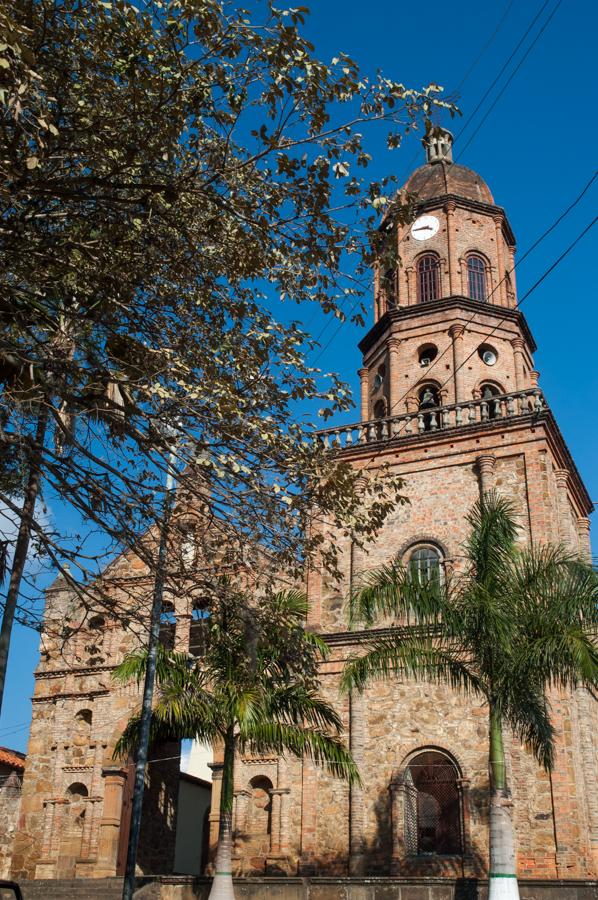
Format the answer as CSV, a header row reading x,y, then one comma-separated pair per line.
x,y
500,408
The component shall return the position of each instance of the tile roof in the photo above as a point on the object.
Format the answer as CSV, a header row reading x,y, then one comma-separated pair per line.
x,y
12,758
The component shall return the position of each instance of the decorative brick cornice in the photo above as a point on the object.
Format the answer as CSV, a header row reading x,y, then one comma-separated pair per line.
x,y
71,695
83,670
456,302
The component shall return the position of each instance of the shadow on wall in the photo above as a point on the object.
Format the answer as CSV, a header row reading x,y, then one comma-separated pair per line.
x,y
159,818
466,868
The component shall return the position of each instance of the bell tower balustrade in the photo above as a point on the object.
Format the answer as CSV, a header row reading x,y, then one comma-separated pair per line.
x,y
424,422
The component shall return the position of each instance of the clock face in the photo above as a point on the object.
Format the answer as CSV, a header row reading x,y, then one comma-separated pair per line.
x,y
424,227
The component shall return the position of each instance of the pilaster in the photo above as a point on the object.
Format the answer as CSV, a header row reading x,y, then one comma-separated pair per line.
x,y
486,465
214,817
356,798
562,481
500,256
364,381
182,632
518,345
513,299
456,334
115,778
453,263
411,286
393,375
583,538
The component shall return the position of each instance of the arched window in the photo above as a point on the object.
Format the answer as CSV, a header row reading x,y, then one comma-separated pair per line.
x,y
83,721
492,409
433,816
379,409
259,822
76,792
429,401
425,563
428,278
476,277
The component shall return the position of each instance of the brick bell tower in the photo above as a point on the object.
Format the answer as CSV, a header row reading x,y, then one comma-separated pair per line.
x,y
450,401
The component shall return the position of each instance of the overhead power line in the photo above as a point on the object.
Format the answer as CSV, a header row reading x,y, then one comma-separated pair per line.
x,y
502,69
512,75
469,119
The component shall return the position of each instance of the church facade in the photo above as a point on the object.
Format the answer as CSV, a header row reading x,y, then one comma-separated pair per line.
x,y
450,400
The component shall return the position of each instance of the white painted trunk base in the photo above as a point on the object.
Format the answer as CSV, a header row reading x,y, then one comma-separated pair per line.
x,y
503,888
222,885
502,882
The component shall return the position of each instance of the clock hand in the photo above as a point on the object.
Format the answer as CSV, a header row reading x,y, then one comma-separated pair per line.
x,y
423,228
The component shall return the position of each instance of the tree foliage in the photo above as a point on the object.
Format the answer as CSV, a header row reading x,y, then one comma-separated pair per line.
x,y
257,677
172,173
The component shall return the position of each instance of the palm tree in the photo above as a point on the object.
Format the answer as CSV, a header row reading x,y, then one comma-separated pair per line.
x,y
255,688
515,623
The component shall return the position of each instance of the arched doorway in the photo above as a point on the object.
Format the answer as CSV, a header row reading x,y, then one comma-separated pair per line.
x,y
433,808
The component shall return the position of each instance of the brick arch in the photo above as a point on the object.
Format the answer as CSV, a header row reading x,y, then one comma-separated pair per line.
x,y
412,399
424,539
451,754
488,267
473,251
477,391
431,813
428,252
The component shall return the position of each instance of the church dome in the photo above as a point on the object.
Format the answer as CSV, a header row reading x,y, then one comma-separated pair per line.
x,y
440,178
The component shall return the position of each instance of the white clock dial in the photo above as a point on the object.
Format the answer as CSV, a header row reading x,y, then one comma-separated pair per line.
x,y
424,227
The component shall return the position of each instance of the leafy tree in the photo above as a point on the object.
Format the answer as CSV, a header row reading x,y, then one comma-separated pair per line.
x,y
254,689
516,623
171,174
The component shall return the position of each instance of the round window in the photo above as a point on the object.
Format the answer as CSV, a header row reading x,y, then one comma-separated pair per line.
x,y
427,354
488,354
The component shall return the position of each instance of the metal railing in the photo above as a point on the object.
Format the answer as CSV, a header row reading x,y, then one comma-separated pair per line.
x,y
434,419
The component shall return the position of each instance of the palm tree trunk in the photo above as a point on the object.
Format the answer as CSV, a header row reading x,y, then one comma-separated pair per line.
x,y
503,879
222,885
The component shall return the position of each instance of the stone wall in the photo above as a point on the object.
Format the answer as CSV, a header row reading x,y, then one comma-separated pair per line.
x,y
376,889
177,888
10,800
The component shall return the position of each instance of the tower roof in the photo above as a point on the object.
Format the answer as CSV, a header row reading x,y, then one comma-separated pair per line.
x,y
444,177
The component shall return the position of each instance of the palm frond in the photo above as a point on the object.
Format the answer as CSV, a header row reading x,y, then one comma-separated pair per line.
x,y
324,749
523,704
290,603
550,579
168,664
317,642
297,703
490,545
393,591
421,658
175,717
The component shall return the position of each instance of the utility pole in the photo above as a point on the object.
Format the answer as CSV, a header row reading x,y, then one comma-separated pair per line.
x,y
23,541
148,687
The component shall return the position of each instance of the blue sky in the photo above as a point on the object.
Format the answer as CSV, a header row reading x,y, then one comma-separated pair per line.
x,y
536,150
